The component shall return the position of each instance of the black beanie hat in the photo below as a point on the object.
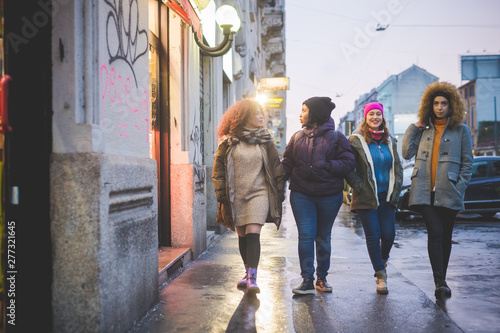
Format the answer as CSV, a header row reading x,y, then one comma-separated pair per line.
x,y
442,94
320,107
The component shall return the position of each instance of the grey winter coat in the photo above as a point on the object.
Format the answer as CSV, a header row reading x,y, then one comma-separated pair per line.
x,y
362,180
454,165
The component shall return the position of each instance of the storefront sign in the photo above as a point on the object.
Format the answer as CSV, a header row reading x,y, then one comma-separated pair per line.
x,y
274,83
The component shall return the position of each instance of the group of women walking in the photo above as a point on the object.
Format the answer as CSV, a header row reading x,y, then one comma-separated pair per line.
x,y
249,180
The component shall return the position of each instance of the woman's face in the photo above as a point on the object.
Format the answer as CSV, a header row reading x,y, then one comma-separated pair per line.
x,y
441,107
304,115
255,121
374,119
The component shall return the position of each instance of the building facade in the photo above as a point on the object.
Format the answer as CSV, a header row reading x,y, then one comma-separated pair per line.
x,y
400,94
468,93
481,95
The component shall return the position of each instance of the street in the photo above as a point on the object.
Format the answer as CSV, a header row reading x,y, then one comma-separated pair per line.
x,y
204,297
473,274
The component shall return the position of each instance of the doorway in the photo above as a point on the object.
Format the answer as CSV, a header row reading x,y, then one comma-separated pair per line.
x,y
160,119
26,260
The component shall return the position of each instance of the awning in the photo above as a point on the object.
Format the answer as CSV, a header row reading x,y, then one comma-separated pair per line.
x,y
187,14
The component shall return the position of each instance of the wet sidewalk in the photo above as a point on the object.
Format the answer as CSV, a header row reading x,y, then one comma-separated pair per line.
x,y
204,298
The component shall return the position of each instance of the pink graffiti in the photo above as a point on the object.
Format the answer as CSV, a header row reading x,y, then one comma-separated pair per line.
x,y
129,113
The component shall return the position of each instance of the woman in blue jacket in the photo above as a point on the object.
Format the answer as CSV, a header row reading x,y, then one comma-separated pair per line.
x,y
316,160
376,186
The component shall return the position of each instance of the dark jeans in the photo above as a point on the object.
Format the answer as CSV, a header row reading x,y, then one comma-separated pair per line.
x,y
380,230
439,222
314,216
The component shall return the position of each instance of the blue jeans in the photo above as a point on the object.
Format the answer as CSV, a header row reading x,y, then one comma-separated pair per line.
x,y
380,230
314,216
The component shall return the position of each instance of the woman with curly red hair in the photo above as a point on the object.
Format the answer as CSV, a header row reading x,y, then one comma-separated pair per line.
x,y
249,181
442,146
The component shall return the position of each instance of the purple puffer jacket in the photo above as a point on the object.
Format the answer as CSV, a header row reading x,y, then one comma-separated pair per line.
x,y
314,164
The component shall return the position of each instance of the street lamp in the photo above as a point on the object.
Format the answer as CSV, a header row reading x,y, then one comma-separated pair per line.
x,y
228,20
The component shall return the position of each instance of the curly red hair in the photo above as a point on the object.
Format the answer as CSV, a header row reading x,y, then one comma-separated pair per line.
x,y
237,115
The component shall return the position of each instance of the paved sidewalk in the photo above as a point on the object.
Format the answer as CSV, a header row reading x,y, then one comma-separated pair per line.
x,y
204,298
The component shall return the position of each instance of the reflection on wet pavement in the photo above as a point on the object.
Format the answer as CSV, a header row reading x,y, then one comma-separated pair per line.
x,y
243,319
473,275
204,298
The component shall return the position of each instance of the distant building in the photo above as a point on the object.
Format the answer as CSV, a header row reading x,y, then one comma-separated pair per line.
x,y
273,40
468,93
481,96
347,125
359,112
400,94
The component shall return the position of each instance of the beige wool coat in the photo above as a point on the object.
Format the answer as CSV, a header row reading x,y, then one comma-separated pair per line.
x,y
223,178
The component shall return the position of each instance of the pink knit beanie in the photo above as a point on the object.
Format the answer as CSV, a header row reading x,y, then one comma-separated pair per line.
x,y
374,105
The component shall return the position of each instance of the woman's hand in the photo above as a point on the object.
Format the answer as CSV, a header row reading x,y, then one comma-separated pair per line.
x,y
420,125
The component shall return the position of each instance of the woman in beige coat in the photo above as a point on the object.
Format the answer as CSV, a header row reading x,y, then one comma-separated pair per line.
x,y
249,181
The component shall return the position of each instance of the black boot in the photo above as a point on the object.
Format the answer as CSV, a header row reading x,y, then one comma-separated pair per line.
x,y
307,287
442,290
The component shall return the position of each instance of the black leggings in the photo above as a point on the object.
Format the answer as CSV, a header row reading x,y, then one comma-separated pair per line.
x,y
439,222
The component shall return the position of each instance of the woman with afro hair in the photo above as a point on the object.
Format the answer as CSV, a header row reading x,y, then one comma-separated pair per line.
x,y
249,181
442,146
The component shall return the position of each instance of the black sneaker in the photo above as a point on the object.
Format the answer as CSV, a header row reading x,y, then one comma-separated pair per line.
x,y
307,287
322,285
442,290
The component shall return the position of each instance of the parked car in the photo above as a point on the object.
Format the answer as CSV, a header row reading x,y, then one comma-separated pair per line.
x,y
482,196
402,213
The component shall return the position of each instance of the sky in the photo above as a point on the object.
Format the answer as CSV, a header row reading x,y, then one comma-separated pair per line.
x,y
334,50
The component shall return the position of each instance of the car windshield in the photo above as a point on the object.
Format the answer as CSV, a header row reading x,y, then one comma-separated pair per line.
x,y
407,172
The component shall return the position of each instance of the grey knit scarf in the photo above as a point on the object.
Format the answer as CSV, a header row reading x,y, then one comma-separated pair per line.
x,y
257,136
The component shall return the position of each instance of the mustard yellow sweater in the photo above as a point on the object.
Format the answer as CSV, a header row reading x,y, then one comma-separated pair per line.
x,y
439,125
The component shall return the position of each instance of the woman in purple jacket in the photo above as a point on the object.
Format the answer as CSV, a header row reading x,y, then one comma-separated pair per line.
x,y
316,160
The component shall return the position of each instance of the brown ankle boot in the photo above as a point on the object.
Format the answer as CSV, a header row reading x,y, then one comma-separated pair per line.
x,y
381,282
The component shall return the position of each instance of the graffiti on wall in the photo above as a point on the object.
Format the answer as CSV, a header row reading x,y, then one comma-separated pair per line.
x,y
125,40
198,169
124,98
133,112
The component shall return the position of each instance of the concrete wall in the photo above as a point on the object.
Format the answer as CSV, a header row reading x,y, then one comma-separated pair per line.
x,y
101,80
188,174
103,183
104,233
